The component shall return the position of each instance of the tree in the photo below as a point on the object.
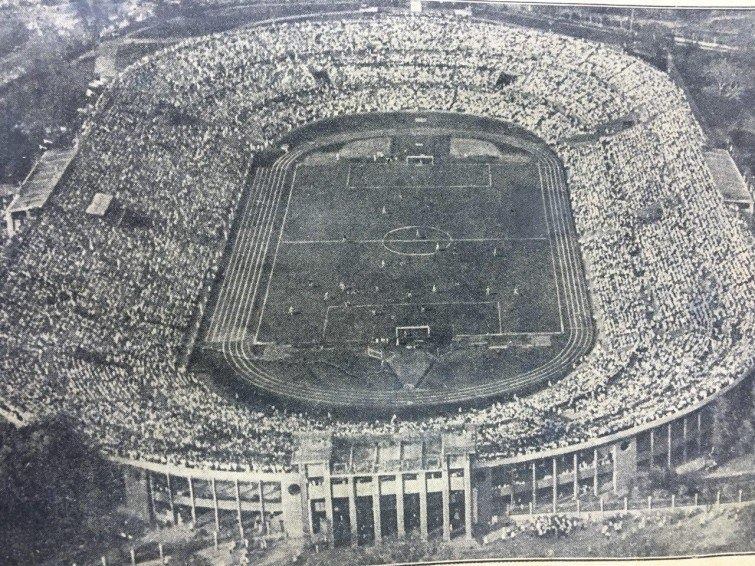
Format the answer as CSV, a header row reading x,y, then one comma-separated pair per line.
x,y
732,430
727,79
56,492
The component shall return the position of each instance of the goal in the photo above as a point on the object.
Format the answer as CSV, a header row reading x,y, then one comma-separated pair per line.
x,y
376,353
420,159
406,335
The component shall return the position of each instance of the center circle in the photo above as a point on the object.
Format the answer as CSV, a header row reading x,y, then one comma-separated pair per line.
x,y
416,240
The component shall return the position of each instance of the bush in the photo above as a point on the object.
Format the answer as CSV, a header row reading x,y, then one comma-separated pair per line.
x,y
554,525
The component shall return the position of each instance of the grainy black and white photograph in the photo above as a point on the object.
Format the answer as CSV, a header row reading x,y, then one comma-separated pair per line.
x,y
324,282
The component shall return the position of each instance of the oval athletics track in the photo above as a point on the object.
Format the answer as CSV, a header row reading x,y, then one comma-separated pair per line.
x,y
241,288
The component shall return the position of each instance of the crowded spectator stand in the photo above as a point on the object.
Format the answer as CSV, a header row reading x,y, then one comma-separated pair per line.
x,y
96,312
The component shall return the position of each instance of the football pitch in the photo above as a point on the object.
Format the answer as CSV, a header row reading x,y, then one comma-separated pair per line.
x,y
459,247
391,267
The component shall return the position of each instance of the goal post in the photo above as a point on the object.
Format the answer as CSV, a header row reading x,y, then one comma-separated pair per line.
x,y
420,159
414,333
375,353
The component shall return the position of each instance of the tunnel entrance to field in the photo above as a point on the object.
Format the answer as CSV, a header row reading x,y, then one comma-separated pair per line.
x,y
412,512
434,512
388,518
457,510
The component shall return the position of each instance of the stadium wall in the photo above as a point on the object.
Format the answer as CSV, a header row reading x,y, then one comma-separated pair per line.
x,y
316,501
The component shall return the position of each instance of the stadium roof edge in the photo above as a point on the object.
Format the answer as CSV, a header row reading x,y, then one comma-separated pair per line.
x,y
41,180
729,180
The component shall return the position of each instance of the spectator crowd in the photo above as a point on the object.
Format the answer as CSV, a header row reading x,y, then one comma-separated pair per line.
x,y
98,315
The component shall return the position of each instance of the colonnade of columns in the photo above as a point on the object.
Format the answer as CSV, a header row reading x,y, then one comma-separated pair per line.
x,y
609,467
166,494
451,497
453,482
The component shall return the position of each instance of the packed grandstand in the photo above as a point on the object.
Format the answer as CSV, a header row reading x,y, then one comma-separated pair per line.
x,y
97,317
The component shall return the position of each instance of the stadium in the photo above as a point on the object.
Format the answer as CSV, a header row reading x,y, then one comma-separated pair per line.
x,y
478,266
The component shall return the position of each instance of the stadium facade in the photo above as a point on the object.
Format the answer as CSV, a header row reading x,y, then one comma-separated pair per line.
x,y
371,487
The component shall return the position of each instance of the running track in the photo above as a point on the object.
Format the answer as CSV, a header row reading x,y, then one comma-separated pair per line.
x,y
232,326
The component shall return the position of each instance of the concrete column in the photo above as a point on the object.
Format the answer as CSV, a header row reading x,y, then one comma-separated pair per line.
x,y
151,487
192,501
652,448
533,471
215,505
446,493
376,508
595,478
400,526
353,509
684,438
423,505
294,504
306,503
624,465
669,446
170,497
238,507
468,496
150,493
263,523
512,481
576,477
310,512
137,492
555,483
